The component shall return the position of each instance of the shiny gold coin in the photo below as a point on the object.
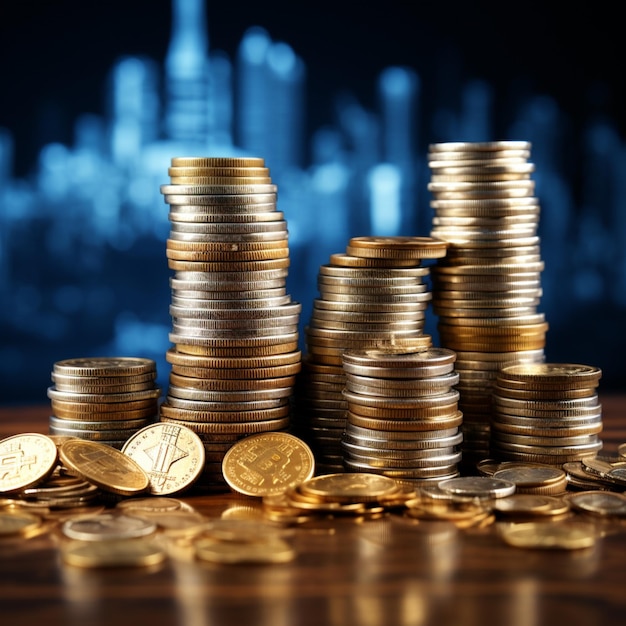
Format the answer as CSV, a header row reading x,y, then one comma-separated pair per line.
x,y
104,366
214,171
218,189
26,460
399,247
240,202
215,161
113,553
220,180
267,463
573,374
171,455
563,536
347,260
104,466
528,504
230,265
350,487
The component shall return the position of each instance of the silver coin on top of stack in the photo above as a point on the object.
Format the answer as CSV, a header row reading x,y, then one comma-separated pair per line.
x,y
234,326
546,413
403,419
372,294
487,289
104,399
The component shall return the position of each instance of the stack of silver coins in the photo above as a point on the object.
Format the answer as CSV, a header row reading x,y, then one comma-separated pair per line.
x,y
546,413
403,419
487,289
374,293
104,399
234,326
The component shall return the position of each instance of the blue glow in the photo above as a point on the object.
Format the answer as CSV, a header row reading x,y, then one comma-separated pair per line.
x,y
82,255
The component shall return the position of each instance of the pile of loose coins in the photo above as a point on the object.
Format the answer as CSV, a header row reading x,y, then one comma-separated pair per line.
x,y
547,413
103,399
487,289
375,292
403,419
234,326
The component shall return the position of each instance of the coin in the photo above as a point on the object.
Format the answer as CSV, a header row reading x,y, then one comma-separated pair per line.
x,y
104,466
113,553
478,486
18,523
26,459
350,487
171,455
267,551
267,463
107,526
564,536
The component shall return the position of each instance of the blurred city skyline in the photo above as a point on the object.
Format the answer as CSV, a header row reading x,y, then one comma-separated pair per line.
x,y
82,231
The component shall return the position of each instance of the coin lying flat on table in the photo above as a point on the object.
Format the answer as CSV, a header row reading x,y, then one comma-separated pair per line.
x,y
566,536
113,553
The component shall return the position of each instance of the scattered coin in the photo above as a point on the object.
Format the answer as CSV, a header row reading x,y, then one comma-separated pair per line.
x,y
545,535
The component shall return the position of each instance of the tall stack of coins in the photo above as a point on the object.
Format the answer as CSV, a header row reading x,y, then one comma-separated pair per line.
x,y
403,418
487,289
104,399
234,326
546,413
372,294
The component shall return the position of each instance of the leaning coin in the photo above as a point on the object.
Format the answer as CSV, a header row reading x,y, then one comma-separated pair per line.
x,y
172,456
26,460
566,536
113,553
267,463
104,466
107,526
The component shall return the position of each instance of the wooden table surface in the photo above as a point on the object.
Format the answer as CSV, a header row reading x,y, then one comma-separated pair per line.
x,y
392,571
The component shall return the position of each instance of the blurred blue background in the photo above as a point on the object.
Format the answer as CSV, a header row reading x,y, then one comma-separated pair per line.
x,y
341,100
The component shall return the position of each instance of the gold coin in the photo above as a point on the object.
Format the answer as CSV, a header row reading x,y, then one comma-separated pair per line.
x,y
350,487
18,523
104,466
243,201
218,189
267,463
416,248
563,536
215,161
220,180
113,553
26,459
171,455
265,551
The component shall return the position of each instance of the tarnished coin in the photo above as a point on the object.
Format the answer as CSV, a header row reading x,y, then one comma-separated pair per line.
x,y
113,553
26,460
267,463
107,526
172,456
563,536
104,466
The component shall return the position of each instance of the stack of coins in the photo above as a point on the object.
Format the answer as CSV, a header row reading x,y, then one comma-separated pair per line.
x,y
403,418
234,326
373,294
104,399
487,289
546,413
